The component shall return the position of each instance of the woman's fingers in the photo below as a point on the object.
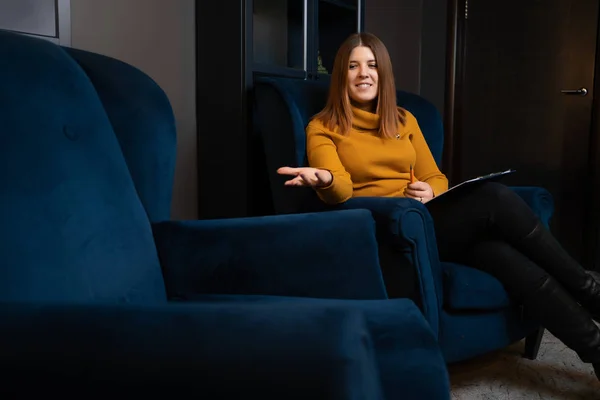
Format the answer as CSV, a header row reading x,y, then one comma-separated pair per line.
x,y
305,179
312,180
289,171
324,177
297,181
419,190
305,176
415,193
418,186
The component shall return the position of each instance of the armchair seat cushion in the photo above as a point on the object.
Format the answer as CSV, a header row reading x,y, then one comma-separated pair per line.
x,y
467,288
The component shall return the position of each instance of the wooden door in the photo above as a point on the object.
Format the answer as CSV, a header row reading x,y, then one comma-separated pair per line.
x,y
523,96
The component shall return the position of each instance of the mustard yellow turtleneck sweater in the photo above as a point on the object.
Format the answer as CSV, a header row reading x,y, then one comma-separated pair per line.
x,y
363,164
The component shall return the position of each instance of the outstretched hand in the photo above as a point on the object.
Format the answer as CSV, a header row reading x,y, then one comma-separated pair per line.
x,y
306,176
420,191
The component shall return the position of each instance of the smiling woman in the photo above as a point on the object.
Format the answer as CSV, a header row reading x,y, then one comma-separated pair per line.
x,y
362,145
344,141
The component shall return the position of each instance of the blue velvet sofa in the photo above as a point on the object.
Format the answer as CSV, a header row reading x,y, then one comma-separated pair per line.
x,y
468,309
102,295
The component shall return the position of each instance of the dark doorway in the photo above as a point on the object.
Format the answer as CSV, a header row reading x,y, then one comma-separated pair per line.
x,y
523,74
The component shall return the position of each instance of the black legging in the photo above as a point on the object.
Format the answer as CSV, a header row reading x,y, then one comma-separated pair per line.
x,y
484,227
491,228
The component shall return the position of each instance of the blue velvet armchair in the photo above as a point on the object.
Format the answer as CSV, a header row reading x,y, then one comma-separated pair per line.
x,y
468,309
102,295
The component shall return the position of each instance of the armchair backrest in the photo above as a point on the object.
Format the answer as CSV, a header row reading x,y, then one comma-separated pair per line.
x,y
282,109
87,146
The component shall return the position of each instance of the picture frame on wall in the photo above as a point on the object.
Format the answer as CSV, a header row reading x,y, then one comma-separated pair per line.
x,y
46,19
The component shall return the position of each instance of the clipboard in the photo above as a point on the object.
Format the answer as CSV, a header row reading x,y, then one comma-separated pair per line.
x,y
494,176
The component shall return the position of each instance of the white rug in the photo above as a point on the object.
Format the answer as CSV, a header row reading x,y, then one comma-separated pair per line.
x,y
556,374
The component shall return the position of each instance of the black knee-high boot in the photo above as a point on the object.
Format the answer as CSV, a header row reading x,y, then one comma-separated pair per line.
x,y
558,312
543,249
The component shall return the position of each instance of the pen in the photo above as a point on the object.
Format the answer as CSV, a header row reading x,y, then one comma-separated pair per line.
x,y
412,174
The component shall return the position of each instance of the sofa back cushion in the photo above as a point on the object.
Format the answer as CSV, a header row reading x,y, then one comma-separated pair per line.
x,y
72,227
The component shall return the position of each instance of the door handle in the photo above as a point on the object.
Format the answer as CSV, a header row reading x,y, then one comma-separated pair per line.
x,y
581,92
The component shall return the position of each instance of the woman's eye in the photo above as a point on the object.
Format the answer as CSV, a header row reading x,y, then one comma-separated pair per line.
x,y
372,65
352,66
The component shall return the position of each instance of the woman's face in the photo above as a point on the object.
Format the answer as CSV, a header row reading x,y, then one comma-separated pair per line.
x,y
362,78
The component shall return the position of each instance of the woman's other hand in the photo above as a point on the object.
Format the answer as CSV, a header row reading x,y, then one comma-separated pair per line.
x,y
420,191
306,176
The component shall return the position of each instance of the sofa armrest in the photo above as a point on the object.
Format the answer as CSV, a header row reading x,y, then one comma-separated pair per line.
x,y
407,225
325,255
273,350
539,199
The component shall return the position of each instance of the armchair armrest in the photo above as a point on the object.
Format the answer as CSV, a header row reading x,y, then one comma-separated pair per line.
x,y
539,199
407,225
325,255
273,350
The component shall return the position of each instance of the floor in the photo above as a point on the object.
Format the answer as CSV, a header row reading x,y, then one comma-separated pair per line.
x,y
557,374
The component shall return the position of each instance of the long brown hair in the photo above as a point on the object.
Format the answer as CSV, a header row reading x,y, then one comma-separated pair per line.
x,y
338,112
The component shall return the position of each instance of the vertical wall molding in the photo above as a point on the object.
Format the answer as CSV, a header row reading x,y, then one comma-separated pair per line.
x,y
63,23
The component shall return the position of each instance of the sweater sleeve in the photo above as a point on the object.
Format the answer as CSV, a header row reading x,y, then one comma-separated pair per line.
x,y
426,169
322,153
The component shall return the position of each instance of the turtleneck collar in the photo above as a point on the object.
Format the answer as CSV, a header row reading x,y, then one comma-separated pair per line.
x,y
364,120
